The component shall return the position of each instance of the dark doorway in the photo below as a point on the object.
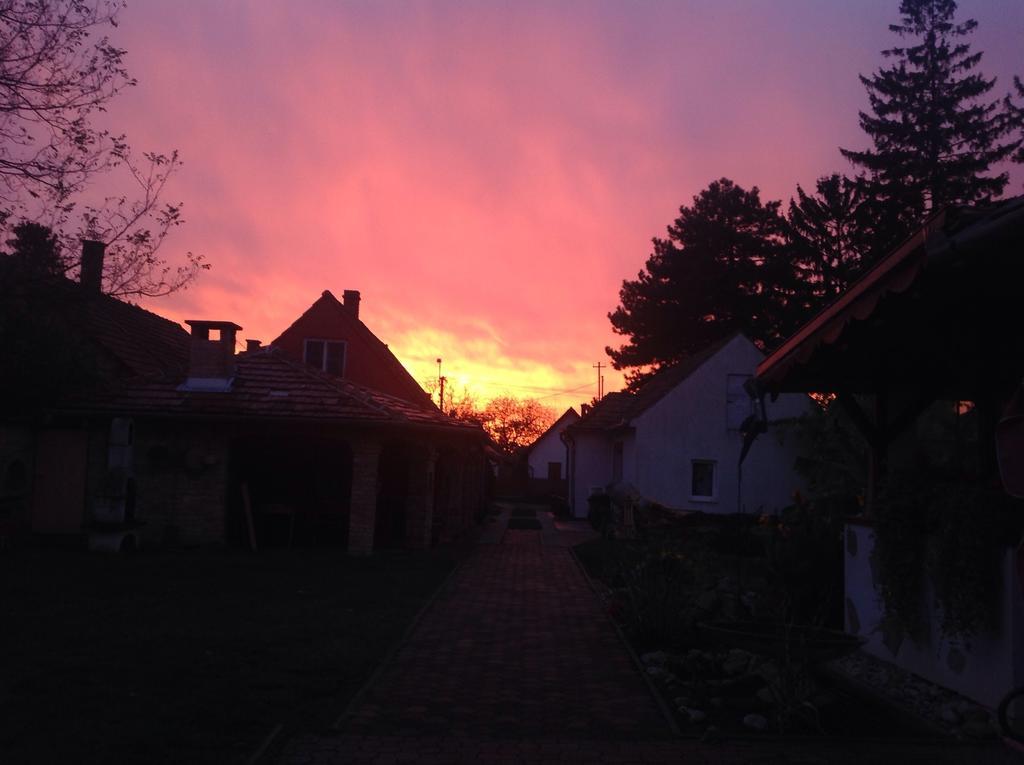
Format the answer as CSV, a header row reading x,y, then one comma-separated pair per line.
x,y
392,497
299,491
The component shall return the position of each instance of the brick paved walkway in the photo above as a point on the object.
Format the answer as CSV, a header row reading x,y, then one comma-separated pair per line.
x,y
516,663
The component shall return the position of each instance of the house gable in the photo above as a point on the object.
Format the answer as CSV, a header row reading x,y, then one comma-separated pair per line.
x,y
549,448
366,360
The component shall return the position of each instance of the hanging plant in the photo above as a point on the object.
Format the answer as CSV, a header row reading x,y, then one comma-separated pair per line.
x,y
971,527
900,550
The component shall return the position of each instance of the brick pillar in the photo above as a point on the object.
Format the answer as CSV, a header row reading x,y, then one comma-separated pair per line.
x,y
419,514
363,507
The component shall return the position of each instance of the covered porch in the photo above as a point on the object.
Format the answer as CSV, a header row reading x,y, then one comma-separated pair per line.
x,y
928,338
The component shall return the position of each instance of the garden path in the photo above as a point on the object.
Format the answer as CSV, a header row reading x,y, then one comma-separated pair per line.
x,y
516,662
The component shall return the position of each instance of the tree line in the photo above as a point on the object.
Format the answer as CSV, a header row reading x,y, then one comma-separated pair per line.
x,y
732,262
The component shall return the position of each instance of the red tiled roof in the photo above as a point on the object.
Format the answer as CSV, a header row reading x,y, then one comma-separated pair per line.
x,y
267,385
138,342
146,344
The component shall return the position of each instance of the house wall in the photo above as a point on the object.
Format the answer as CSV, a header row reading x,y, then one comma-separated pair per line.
x,y
181,473
985,670
593,456
548,449
366,360
690,423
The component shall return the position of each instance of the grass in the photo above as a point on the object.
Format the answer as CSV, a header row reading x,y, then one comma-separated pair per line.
x,y
191,656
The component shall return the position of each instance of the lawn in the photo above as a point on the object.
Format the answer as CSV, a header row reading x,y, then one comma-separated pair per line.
x,y
191,656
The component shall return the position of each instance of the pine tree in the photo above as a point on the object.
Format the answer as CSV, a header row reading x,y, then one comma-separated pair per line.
x,y
1015,115
722,268
831,233
935,136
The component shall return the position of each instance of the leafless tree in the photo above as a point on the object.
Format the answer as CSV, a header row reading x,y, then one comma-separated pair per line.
x,y
515,422
58,71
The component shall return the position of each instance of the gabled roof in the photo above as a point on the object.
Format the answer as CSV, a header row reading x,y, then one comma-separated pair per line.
x,y
568,416
267,386
618,409
139,342
382,354
146,344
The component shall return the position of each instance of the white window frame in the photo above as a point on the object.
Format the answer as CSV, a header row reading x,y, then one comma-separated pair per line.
x,y
323,360
713,497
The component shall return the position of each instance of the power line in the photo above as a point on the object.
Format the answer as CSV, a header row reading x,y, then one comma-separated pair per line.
x,y
563,392
485,382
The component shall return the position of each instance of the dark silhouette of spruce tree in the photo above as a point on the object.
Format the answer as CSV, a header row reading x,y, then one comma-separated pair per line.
x,y
1016,117
831,233
724,267
935,135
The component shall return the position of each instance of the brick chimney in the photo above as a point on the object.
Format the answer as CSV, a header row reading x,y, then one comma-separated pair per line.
x,y
90,275
350,299
211,364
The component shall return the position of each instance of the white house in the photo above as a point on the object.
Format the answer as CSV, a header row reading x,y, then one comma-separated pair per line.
x,y
677,440
548,455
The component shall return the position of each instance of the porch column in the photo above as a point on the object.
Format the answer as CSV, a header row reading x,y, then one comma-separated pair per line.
x,y
363,507
419,515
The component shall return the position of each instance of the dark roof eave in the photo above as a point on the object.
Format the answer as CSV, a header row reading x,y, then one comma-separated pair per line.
x,y
193,417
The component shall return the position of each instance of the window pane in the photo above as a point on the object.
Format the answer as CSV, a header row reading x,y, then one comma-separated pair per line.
x,y
315,353
703,480
335,359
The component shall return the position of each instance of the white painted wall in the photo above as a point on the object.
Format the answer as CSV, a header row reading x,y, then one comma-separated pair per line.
x,y
691,423
549,448
991,664
593,455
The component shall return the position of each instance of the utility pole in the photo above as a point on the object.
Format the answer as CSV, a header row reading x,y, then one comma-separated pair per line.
x,y
600,380
440,386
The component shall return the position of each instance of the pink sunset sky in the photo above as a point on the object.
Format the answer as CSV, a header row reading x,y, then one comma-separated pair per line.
x,y
486,174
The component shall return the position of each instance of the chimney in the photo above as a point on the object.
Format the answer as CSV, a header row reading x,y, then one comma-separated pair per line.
x,y
252,345
91,272
350,299
584,410
211,364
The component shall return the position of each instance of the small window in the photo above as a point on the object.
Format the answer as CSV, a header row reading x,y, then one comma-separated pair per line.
x,y
315,353
738,404
554,471
334,364
703,480
326,355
